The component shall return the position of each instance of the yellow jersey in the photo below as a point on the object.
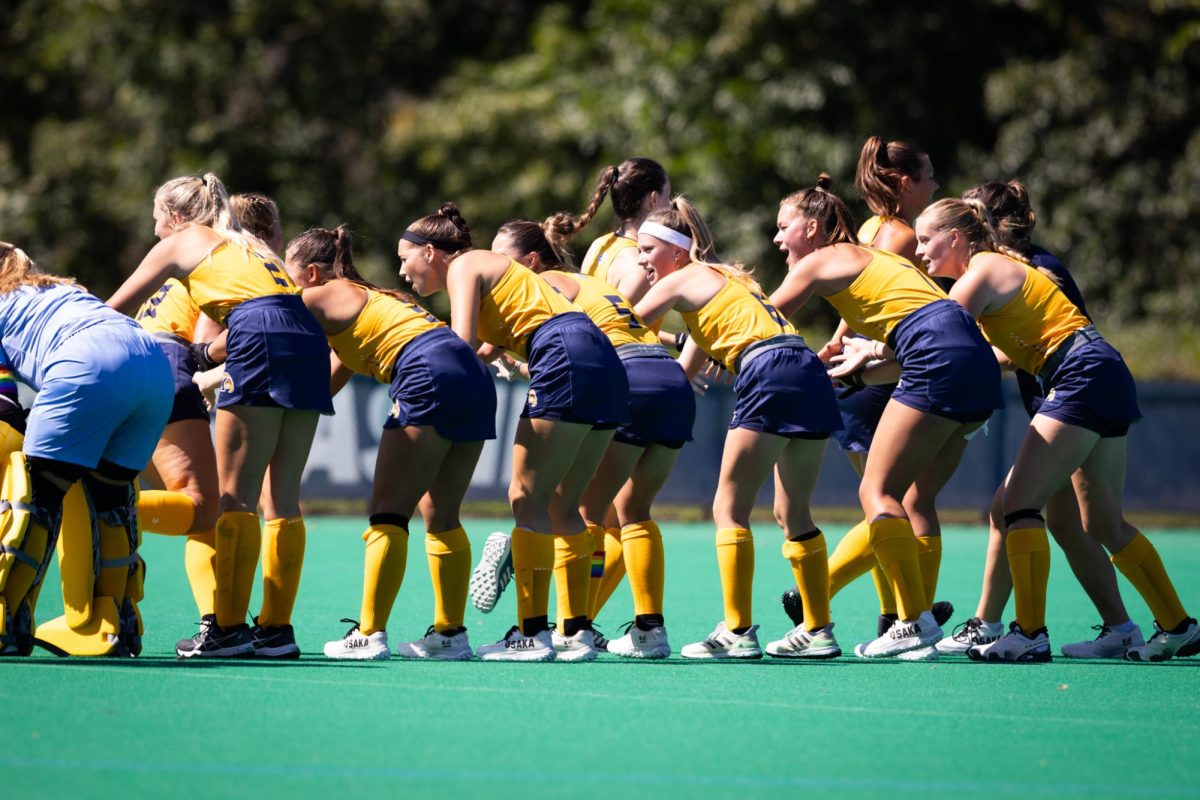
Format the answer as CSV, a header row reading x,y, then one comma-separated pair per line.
x,y
611,312
516,307
1032,325
738,316
171,310
600,255
884,294
870,229
233,273
372,343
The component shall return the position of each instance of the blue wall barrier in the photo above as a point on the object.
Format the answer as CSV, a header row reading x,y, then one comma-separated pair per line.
x,y
1163,468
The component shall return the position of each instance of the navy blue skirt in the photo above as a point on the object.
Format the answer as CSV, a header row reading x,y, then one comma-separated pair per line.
x,y
438,381
786,391
277,356
189,400
661,402
1092,389
947,368
861,410
575,375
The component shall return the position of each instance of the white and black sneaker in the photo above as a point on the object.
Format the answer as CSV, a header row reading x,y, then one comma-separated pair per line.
x,y
493,572
1164,644
968,634
358,646
723,643
277,642
213,641
921,633
578,647
516,646
1015,647
1112,642
802,643
637,643
434,646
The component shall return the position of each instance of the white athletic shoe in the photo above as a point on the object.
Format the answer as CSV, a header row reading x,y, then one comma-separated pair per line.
x,y
724,643
920,654
1163,645
637,643
579,647
1110,643
436,647
1015,647
356,646
800,643
493,572
901,637
516,646
968,634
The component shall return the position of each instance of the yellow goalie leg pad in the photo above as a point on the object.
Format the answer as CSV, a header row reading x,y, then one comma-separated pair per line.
x,y
97,637
572,573
383,572
735,557
1140,563
166,513
10,441
76,557
810,567
23,539
895,547
449,555
283,561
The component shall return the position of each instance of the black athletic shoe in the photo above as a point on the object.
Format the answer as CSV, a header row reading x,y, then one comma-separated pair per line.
x,y
128,638
793,606
19,639
213,641
942,612
885,623
275,642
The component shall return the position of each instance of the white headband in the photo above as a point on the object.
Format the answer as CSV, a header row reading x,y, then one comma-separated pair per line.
x,y
666,234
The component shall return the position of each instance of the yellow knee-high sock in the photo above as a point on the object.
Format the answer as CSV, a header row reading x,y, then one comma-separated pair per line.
x,y
642,549
929,555
851,558
533,565
167,513
614,569
200,561
449,554
237,545
1140,563
283,560
1029,560
383,572
810,566
735,557
895,548
887,599
572,571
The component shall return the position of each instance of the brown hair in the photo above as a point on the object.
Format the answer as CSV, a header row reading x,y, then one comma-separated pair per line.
x,y
683,217
17,269
829,210
447,229
256,213
330,252
548,238
881,170
1009,206
972,219
628,183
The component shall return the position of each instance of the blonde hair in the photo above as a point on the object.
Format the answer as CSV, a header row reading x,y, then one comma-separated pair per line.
x,y
972,219
205,201
256,213
683,217
17,269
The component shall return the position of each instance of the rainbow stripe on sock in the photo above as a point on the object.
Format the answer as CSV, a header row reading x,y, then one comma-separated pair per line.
x,y
597,563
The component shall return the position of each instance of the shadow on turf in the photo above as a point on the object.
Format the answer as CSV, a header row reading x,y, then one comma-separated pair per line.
x,y
170,662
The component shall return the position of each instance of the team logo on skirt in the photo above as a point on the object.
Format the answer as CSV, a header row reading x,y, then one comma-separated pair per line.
x,y
532,399
395,412
227,384
1050,395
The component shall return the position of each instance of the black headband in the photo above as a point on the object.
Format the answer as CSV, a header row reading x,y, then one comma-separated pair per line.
x,y
440,244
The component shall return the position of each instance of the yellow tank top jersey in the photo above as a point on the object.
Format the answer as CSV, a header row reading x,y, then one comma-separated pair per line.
x,y
736,317
611,312
516,306
886,292
601,254
1032,325
870,229
171,310
381,330
232,274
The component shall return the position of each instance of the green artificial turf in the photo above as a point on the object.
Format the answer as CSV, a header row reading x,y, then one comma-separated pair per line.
x,y
155,727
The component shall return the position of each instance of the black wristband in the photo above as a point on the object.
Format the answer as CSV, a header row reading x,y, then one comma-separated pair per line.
x,y
199,351
855,379
680,339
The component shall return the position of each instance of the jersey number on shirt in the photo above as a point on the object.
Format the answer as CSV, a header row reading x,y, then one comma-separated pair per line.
x,y
624,310
150,310
770,309
277,273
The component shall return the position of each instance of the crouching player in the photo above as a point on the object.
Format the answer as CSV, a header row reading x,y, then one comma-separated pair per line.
x,y
104,394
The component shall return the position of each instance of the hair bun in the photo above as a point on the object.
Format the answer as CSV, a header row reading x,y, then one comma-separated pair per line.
x,y
825,181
